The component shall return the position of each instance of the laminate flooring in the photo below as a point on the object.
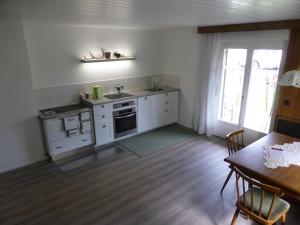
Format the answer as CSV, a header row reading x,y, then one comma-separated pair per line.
x,y
178,185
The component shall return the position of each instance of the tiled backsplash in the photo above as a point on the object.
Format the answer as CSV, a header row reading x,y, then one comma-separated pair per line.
x,y
65,95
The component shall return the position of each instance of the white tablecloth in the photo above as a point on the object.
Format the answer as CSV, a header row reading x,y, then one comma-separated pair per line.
x,y
282,155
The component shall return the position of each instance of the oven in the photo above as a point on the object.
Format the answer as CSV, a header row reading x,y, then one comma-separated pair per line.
x,y
124,117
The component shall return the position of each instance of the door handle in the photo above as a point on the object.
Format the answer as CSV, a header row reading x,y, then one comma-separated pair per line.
x,y
121,117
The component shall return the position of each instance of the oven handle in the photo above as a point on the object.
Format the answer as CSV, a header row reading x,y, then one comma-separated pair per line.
x,y
129,115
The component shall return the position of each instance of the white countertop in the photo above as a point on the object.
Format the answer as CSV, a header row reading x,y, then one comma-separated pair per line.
x,y
134,93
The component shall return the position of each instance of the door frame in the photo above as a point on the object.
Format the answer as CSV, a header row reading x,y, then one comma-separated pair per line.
x,y
250,46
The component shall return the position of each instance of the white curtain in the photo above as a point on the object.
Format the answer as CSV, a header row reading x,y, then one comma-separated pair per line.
x,y
206,84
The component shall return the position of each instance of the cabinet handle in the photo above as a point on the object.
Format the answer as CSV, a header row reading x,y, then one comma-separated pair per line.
x,y
59,147
103,116
104,126
84,139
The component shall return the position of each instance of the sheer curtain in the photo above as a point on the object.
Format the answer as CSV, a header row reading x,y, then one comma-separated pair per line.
x,y
206,84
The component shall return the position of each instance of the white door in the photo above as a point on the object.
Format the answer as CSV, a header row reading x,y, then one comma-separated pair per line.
x,y
144,114
247,87
104,133
158,108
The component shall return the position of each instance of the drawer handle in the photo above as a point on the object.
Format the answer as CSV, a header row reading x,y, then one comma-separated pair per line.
x,y
59,147
103,116
84,139
104,126
70,119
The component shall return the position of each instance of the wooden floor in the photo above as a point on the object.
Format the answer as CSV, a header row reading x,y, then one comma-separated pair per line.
x,y
178,185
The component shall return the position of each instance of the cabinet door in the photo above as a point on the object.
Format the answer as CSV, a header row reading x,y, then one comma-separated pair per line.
x,y
157,111
172,107
55,129
71,143
144,114
104,133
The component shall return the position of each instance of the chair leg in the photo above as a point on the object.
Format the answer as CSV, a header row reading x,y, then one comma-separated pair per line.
x,y
236,214
226,181
283,219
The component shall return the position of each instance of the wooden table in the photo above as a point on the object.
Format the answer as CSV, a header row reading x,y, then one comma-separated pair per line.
x,y
250,161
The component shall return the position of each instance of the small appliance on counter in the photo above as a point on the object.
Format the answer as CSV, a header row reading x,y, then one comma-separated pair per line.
x,y
97,92
67,128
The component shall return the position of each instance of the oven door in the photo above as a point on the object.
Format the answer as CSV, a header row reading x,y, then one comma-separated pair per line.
x,y
125,124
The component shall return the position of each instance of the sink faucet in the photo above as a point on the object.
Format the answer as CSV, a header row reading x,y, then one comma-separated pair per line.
x,y
119,89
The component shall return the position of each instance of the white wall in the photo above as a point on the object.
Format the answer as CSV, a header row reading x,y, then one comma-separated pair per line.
x,y
40,68
20,136
55,51
181,58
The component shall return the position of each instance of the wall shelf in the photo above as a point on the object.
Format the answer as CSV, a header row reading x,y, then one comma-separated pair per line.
x,y
108,60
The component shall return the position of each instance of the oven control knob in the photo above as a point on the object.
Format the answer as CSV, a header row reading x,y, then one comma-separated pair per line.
x,y
166,110
102,106
104,126
103,116
167,102
146,98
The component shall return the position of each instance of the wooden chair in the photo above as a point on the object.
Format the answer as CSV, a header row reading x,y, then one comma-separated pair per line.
x,y
261,202
235,142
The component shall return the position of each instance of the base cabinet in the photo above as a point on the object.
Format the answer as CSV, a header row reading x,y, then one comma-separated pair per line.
x,y
164,109
103,120
104,133
157,111
144,114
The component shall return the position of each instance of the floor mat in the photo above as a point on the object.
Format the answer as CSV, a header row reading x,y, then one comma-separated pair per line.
x,y
145,144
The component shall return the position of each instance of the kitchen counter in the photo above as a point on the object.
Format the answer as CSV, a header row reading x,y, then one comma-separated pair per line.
x,y
134,93
63,111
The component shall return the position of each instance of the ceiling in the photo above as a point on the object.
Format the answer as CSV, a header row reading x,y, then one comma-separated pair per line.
x,y
158,13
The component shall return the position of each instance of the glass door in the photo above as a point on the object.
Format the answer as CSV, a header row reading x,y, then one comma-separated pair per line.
x,y
247,88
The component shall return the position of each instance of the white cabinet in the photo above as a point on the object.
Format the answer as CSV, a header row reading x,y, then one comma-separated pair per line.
x,y
144,114
104,133
164,109
103,124
171,107
71,143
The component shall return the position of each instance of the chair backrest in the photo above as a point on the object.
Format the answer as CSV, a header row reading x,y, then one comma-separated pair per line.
x,y
235,141
248,207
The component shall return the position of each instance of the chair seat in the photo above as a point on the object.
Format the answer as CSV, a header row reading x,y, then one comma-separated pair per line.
x,y
280,206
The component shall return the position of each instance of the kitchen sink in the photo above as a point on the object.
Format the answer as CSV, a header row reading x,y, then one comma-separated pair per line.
x,y
154,90
117,96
